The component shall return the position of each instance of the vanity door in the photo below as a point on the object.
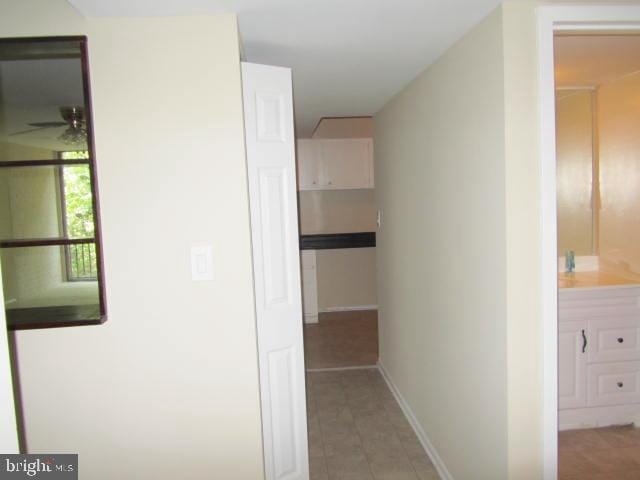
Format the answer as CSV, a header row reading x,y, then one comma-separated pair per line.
x,y
572,363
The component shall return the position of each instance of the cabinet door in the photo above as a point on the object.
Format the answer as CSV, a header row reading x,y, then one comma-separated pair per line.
x,y
346,163
308,163
309,286
572,362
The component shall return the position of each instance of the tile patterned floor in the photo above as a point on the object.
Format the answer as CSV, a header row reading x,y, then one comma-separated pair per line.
x,y
611,453
342,339
358,432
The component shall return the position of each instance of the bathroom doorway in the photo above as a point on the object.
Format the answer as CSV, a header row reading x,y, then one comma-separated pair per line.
x,y
597,113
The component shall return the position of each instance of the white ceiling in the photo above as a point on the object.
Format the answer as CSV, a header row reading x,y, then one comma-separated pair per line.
x,y
591,60
349,57
26,98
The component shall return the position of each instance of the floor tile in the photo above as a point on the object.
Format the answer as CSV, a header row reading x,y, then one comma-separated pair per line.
x,y
348,463
342,339
400,469
425,469
620,437
414,450
599,454
318,469
357,431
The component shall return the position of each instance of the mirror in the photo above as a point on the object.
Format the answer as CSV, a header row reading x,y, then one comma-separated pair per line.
x,y
50,249
576,165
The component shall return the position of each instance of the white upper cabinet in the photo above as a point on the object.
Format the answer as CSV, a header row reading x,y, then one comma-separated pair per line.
x,y
335,164
308,165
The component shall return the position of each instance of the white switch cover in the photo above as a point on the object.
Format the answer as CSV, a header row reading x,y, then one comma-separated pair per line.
x,y
201,263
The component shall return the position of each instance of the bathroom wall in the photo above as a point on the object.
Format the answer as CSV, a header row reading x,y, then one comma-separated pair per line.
x,y
574,150
619,124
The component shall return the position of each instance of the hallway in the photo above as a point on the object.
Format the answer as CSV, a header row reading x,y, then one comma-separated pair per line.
x,y
357,430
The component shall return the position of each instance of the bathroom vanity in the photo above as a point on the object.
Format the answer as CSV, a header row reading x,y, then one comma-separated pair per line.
x,y
598,350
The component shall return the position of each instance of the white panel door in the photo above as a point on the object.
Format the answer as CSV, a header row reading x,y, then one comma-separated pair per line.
x,y
8,426
268,110
572,362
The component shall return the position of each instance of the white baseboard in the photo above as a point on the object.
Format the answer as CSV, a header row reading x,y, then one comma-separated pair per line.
x,y
350,308
310,319
593,417
422,436
339,369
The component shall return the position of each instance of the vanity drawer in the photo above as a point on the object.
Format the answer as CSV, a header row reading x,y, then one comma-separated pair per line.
x,y
613,339
613,383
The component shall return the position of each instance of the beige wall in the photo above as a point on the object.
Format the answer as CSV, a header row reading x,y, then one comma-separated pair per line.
x,y
619,123
16,151
6,232
346,277
33,199
337,211
440,173
30,200
522,201
574,157
147,395
459,288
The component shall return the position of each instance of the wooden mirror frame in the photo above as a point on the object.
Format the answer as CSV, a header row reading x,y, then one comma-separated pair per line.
x,y
52,319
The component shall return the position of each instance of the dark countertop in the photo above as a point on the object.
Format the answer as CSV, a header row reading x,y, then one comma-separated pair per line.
x,y
325,241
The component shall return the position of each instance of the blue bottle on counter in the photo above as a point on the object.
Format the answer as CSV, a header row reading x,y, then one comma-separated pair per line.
x,y
569,261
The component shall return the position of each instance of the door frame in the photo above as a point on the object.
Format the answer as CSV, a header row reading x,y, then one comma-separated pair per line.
x,y
8,423
550,20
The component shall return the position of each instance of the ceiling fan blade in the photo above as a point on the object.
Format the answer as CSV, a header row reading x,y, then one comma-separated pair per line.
x,y
47,124
27,131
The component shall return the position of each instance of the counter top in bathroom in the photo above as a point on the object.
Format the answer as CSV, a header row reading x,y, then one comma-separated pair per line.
x,y
592,279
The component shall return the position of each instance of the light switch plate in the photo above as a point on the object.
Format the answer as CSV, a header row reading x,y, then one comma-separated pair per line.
x,y
202,263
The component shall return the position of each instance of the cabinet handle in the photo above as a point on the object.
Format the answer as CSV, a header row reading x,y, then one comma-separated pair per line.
x,y
620,340
584,342
620,384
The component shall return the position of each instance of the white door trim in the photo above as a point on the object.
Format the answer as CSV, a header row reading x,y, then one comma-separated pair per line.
x,y
8,424
550,20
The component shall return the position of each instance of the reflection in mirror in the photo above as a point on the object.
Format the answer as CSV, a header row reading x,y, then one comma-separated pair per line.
x,y
49,225
575,172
